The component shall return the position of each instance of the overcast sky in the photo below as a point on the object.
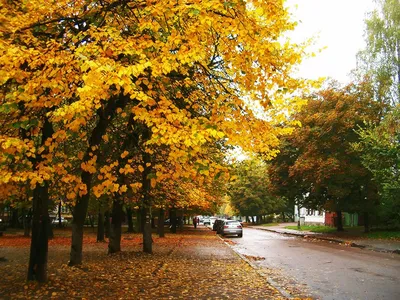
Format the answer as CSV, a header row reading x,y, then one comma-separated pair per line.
x,y
340,27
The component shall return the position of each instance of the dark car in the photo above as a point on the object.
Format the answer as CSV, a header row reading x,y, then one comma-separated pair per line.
x,y
218,224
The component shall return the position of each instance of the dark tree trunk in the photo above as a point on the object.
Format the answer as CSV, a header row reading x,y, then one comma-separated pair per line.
x,y
283,217
366,222
27,219
78,222
91,220
107,225
139,224
14,223
80,209
147,239
50,232
298,214
153,223
252,220
114,243
100,227
37,268
160,226
146,204
172,220
339,220
247,219
59,215
130,219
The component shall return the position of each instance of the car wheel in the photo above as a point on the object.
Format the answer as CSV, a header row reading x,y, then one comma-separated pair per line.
x,y
240,235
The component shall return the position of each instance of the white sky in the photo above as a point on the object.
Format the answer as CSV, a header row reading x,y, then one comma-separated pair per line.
x,y
340,27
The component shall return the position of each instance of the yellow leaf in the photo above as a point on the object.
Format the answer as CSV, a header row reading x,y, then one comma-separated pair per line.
x,y
141,169
124,154
80,155
153,182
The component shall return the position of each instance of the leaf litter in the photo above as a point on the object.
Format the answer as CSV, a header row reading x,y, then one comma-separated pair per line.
x,y
192,264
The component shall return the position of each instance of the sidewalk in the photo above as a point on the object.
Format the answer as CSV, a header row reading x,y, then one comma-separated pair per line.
x,y
351,238
192,264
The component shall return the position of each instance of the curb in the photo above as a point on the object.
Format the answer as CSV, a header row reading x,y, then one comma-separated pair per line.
x,y
257,269
316,236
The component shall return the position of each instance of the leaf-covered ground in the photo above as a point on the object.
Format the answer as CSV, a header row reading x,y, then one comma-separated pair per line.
x,y
193,264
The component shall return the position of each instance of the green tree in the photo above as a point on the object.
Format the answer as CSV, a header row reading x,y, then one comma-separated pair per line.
x,y
250,192
381,58
380,152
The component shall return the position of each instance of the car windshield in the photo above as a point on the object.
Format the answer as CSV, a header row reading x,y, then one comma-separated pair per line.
x,y
232,222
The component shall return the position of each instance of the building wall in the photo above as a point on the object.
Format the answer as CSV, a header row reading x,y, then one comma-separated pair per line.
x,y
310,216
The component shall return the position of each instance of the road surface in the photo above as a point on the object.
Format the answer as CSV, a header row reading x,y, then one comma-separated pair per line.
x,y
322,270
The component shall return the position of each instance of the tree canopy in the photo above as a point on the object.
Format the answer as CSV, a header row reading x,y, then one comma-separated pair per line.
x,y
118,98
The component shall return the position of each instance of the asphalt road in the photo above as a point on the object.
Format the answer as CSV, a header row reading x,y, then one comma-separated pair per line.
x,y
322,270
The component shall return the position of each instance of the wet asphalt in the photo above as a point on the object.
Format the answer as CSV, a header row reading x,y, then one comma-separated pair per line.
x,y
319,269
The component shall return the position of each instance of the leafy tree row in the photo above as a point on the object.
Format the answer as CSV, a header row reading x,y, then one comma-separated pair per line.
x,y
136,102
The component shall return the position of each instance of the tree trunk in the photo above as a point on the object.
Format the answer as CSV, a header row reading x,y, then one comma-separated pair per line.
x,y
100,227
114,243
283,217
107,225
172,220
27,219
50,232
252,220
130,219
366,222
59,215
37,269
339,221
14,223
160,226
147,239
80,209
91,220
139,224
298,214
79,215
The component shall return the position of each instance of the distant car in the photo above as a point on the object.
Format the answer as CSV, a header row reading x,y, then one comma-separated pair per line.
x,y
212,220
206,221
56,221
232,227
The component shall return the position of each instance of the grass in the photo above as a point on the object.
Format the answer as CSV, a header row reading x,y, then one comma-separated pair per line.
x,y
384,234
313,228
270,224
376,234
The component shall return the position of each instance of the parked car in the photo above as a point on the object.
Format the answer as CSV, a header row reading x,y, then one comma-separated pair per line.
x,y
212,220
56,221
218,225
206,221
232,227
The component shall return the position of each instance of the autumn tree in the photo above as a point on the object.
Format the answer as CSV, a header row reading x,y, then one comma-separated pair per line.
x,y
319,156
190,74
